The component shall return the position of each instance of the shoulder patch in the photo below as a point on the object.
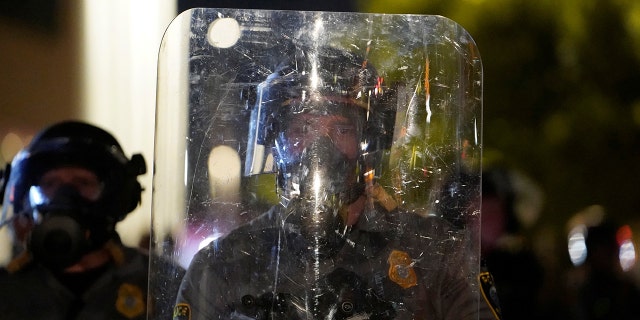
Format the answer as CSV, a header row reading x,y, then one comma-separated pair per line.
x,y
489,293
182,311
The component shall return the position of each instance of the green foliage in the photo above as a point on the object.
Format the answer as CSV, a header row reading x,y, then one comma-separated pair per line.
x,y
561,93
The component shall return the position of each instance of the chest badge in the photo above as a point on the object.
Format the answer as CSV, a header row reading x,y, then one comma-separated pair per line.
x,y
401,269
130,301
182,311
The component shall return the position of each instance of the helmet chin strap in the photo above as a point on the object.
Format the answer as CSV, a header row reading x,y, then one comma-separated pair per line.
x,y
111,251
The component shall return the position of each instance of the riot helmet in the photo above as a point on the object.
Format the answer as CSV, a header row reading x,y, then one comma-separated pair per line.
x,y
295,103
324,116
75,183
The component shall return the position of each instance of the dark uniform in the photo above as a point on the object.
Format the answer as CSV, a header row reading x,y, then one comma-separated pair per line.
x,y
332,249
118,292
262,271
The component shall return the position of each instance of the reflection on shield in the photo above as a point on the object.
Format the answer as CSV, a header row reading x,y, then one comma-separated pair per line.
x,y
317,165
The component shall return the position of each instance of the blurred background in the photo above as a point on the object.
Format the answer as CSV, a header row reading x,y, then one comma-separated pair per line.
x,y
561,94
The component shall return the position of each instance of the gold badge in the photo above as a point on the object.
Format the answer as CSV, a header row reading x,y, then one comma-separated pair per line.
x,y
130,302
488,289
401,269
182,311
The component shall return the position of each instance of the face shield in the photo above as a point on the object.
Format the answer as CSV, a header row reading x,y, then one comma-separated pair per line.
x,y
65,185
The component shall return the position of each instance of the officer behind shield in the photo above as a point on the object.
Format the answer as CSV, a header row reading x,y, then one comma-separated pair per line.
x,y
336,246
65,192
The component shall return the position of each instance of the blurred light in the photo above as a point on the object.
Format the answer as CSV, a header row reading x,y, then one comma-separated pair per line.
x,y
317,183
208,240
313,77
11,144
224,167
577,245
186,167
364,145
119,43
627,251
269,163
475,131
318,28
35,195
627,255
623,234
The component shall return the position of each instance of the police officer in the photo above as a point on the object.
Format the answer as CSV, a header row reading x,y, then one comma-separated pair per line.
x,y
65,192
336,246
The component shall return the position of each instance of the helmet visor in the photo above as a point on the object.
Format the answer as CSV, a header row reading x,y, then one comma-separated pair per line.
x,y
342,128
66,183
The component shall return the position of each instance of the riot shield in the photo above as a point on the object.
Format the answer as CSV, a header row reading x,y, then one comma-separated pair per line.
x,y
316,165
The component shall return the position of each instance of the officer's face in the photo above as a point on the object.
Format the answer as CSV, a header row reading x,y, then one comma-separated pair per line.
x,y
305,129
85,182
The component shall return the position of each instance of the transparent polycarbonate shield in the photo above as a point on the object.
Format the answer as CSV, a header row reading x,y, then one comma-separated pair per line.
x,y
316,165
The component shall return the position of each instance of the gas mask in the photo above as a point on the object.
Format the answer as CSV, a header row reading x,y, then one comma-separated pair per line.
x,y
317,158
320,170
68,220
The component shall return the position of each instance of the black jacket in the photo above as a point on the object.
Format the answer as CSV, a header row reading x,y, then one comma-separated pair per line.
x,y
404,267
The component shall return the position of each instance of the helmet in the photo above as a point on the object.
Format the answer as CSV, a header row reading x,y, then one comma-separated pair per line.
x,y
318,81
64,217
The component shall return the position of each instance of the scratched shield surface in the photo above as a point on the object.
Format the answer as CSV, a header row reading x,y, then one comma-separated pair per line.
x,y
316,165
